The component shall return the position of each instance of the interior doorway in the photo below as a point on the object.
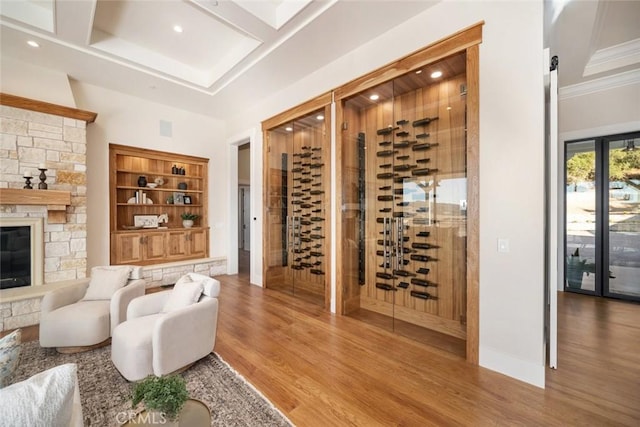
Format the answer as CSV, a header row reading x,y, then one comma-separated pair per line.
x,y
602,216
244,208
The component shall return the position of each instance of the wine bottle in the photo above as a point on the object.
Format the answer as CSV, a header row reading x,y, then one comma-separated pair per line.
x,y
403,273
421,282
386,153
384,286
423,171
386,131
422,295
423,122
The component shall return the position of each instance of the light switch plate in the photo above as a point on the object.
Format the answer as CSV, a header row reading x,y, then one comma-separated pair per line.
x,y
503,245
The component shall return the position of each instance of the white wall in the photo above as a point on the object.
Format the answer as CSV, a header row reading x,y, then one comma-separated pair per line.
x,y
511,160
127,120
30,81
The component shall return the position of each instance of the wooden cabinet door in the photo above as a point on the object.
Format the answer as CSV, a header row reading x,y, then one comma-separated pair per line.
x,y
197,241
154,245
126,248
177,244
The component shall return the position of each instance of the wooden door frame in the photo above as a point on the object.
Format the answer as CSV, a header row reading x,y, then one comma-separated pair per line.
x,y
466,40
321,101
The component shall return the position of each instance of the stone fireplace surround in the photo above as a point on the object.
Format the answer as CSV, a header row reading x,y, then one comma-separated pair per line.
x,y
32,133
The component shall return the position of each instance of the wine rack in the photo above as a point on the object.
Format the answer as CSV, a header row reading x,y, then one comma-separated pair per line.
x,y
305,226
408,151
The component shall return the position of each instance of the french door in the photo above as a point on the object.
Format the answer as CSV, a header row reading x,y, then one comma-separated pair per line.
x,y
602,220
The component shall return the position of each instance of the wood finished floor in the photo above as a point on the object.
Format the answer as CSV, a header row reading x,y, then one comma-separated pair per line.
x,y
325,370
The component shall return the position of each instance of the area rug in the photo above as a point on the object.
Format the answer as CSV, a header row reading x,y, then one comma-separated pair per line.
x,y
105,393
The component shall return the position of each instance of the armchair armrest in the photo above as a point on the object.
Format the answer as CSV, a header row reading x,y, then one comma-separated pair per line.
x,y
193,327
121,299
64,296
147,304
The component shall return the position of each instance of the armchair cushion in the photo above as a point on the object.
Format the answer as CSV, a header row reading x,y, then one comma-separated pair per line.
x,y
183,295
82,324
210,286
105,281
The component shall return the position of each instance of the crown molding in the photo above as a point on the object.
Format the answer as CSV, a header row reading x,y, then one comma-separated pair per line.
x,y
610,58
599,85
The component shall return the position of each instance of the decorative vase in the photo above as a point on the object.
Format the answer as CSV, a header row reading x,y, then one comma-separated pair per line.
x,y
142,181
187,223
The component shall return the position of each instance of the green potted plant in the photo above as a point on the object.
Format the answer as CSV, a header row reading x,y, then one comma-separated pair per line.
x,y
166,395
188,218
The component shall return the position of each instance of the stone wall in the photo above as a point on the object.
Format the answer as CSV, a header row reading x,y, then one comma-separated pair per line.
x,y
27,140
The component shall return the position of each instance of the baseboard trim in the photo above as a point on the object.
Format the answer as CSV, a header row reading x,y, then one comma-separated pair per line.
x,y
521,370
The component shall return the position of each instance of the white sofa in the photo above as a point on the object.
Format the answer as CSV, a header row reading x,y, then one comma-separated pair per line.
x,y
164,332
71,322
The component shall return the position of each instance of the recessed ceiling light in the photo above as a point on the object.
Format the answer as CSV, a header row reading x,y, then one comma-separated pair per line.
x,y
374,97
419,72
320,117
288,129
436,74
33,43
177,28
448,108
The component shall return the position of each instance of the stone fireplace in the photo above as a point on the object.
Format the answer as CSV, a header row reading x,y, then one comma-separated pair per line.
x,y
35,135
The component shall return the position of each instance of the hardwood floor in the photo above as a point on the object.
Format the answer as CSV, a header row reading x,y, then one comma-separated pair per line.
x,y
325,370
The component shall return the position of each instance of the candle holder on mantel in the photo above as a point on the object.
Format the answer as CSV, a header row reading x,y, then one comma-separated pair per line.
x,y
27,182
43,178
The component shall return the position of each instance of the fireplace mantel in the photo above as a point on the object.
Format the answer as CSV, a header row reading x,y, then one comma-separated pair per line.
x,y
56,201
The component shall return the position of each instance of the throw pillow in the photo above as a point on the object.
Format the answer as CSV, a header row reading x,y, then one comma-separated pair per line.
x,y
182,295
10,349
45,399
105,281
211,286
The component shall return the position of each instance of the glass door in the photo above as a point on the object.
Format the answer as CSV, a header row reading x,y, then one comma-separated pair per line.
x,y
622,233
603,217
581,217
404,203
297,207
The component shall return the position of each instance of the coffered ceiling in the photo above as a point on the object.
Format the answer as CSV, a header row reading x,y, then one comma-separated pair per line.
x,y
229,52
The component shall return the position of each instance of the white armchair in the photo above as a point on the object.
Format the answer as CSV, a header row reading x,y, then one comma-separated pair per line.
x,y
167,331
83,316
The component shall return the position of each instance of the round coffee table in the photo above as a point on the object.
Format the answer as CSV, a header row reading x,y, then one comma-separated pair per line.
x,y
194,414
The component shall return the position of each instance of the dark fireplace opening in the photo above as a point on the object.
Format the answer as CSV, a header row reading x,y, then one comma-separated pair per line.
x,y
15,253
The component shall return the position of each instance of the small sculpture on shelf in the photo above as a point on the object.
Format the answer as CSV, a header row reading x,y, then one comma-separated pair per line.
x,y
43,177
163,219
27,180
